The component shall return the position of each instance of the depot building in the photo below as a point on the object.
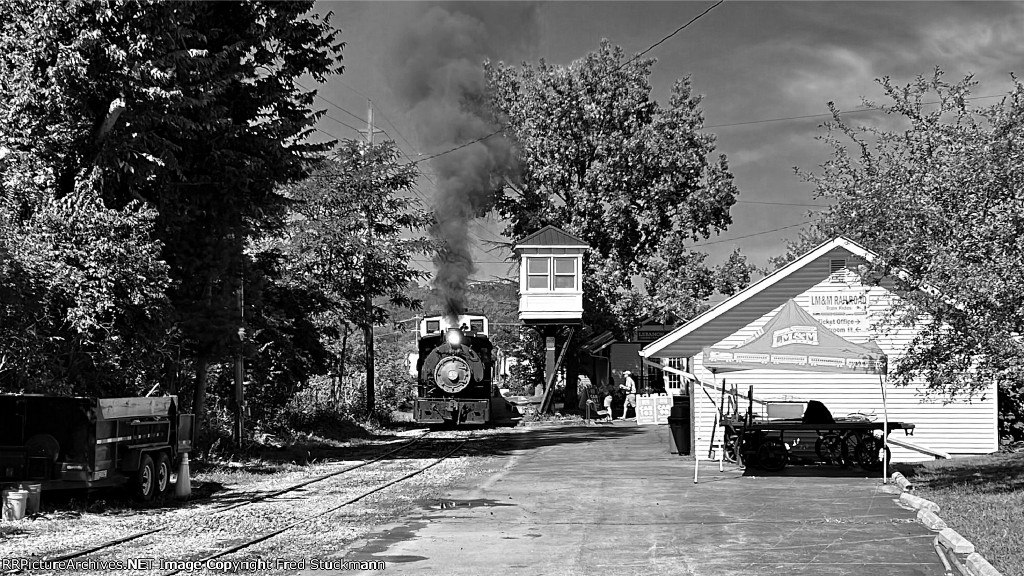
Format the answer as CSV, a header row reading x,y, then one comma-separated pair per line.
x,y
826,284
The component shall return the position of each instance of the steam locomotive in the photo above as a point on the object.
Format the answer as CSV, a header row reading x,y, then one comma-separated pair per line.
x,y
455,367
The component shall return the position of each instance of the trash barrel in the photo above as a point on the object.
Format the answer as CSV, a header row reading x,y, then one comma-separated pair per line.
x,y
679,424
32,505
14,502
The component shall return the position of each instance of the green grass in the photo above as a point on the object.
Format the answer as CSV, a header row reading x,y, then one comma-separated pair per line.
x,y
982,498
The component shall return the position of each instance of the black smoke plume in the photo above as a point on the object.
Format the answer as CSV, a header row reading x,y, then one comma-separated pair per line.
x,y
438,71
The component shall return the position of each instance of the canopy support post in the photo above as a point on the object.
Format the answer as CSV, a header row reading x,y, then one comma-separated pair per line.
x,y
885,432
721,414
696,428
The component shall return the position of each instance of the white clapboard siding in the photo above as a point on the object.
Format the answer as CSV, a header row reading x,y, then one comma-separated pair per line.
x,y
966,426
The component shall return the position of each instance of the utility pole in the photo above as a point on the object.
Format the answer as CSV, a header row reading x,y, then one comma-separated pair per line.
x,y
240,367
367,299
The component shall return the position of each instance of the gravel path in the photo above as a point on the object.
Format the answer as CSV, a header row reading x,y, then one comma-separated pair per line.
x,y
195,529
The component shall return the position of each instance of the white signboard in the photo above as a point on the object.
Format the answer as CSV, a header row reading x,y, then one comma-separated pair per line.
x,y
838,302
653,409
844,312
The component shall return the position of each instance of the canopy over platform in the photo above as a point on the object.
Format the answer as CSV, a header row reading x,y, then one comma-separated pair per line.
x,y
795,340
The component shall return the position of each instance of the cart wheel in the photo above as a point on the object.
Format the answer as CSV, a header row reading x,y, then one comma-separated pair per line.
x,y
731,448
849,449
145,479
749,447
829,448
868,451
772,455
163,474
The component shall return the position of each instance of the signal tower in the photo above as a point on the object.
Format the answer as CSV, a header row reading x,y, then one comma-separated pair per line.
x,y
551,295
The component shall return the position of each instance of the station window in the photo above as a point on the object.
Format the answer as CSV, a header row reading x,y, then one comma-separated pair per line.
x,y
537,273
565,273
551,273
673,380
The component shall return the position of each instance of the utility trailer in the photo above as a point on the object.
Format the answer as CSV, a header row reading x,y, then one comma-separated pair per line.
x,y
74,442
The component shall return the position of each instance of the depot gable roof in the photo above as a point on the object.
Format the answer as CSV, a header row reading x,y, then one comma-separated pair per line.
x,y
723,310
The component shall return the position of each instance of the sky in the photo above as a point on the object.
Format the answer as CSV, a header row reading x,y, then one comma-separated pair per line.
x,y
766,71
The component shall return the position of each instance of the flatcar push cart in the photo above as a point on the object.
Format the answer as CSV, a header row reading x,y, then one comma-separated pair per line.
x,y
793,340
763,444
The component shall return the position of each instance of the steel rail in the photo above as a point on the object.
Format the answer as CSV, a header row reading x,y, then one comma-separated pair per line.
x,y
253,500
273,533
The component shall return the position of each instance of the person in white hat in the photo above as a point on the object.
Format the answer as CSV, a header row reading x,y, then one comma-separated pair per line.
x,y
629,385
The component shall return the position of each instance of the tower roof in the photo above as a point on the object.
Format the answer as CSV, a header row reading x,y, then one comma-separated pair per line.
x,y
551,236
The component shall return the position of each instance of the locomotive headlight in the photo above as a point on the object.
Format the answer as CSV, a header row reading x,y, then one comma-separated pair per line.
x,y
454,337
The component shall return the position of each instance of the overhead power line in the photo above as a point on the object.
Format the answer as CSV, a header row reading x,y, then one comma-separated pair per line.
x,y
829,114
461,146
399,132
318,96
358,93
765,202
479,242
751,235
342,123
676,31
649,48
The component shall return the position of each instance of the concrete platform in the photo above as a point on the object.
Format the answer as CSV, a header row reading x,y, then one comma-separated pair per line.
x,y
613,499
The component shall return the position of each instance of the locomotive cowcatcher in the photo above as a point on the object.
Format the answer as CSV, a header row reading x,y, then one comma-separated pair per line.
x,y
455,368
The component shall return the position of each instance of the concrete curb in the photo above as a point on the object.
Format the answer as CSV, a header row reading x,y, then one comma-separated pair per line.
x,y
901,481
931,520
978,566
957,553
918,503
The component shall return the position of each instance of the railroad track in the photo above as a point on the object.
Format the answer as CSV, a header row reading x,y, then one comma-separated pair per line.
x,y
265,497
239,546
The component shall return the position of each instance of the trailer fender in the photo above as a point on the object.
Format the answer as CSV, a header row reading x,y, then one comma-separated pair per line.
x,y
130,461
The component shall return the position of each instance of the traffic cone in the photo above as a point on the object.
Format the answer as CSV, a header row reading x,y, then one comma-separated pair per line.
x,y
183,487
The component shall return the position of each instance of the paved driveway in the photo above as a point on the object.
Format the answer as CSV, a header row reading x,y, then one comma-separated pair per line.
x,y
612,499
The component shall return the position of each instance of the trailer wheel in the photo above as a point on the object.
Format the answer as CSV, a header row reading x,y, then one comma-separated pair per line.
x,y
163,473
145,479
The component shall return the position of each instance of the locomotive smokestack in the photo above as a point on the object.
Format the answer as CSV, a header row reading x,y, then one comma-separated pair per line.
x,y
438,71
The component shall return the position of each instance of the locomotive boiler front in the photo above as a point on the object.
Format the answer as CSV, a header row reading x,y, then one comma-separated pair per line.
x,y
452,366
454,377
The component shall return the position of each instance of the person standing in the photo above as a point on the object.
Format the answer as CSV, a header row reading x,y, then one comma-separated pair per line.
x,y
629,385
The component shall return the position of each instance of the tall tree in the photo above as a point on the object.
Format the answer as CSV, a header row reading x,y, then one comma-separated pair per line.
x,y
82,293
352,240
191,108
938,193
603,160
637,181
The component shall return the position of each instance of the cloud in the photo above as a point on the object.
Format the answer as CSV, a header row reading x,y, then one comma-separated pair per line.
x,y
830,73
989,48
